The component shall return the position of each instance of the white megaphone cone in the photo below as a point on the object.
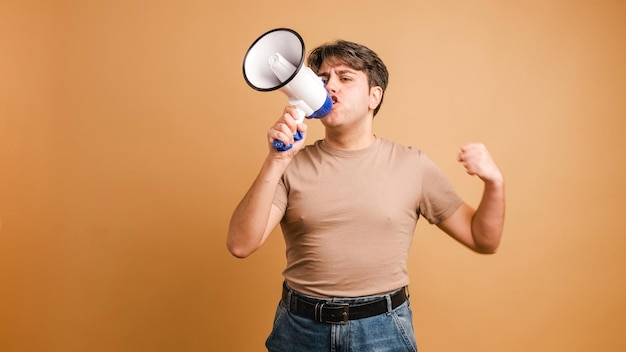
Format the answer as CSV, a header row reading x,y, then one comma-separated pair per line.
x,y
275,61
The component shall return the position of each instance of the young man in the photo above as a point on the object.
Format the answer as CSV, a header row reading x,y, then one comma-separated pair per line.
x,y
348,207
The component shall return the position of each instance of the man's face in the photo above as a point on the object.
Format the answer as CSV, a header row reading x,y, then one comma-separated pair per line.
x,y
349,89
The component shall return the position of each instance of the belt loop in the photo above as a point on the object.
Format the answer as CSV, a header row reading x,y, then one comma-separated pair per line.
x,y
290,299
318,312
389,303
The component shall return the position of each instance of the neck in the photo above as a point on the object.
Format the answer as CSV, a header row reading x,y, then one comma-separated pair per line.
x,y
349,141
353,134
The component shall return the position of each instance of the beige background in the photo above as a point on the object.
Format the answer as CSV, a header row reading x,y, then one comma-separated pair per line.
x,y
128,135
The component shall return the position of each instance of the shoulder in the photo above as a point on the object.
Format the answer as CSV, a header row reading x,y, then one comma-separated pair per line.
x,y
398,150
309,151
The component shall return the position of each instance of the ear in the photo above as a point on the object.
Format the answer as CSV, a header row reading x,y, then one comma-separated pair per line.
x,y
376,95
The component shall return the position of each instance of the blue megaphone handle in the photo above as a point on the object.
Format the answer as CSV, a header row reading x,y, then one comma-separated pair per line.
x,y
281,147
320,113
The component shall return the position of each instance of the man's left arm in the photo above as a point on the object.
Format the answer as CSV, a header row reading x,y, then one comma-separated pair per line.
x,y
479,229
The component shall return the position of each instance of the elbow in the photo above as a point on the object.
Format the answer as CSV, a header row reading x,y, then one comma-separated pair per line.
x,y
242,242
487,242
238,251
487,248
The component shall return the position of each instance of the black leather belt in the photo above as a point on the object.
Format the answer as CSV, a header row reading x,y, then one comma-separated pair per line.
x,y
325,311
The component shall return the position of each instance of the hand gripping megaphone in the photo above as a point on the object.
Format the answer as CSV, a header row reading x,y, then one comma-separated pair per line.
x,y
274,61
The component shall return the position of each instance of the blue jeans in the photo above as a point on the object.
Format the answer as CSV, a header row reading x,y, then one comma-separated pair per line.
x,y
391,331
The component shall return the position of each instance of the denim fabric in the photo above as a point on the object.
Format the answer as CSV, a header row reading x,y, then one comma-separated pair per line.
x,y
387,332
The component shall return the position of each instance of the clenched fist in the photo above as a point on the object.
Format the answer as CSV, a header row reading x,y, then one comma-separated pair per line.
x,y
477,161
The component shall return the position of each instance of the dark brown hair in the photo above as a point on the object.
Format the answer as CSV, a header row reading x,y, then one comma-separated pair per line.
x,y
357,57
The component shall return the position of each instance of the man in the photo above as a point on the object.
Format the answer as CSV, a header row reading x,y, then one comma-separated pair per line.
x,y
348,207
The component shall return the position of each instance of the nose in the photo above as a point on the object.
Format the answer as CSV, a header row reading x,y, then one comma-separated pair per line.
x,y
331,85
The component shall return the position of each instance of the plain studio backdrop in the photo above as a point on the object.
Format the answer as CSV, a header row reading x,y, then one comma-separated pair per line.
x,y
128,135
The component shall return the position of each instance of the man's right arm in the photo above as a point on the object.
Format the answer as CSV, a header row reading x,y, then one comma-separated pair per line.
x,y
256,216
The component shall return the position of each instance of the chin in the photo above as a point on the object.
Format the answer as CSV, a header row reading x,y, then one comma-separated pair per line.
x,y
329,121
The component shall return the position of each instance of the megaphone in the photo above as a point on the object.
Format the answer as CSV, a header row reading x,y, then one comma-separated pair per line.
x,y
274,61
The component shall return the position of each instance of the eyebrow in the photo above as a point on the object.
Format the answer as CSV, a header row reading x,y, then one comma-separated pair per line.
x,y
340,72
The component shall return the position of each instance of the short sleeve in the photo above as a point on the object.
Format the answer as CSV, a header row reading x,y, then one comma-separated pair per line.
x,y
439,199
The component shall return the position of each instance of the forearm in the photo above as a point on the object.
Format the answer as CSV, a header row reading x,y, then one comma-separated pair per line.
x,y
249,222
488,220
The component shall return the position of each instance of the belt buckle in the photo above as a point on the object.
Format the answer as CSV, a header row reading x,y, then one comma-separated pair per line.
x,y
344,310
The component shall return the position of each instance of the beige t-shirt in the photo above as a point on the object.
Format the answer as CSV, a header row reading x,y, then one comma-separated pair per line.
x,y
350,216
